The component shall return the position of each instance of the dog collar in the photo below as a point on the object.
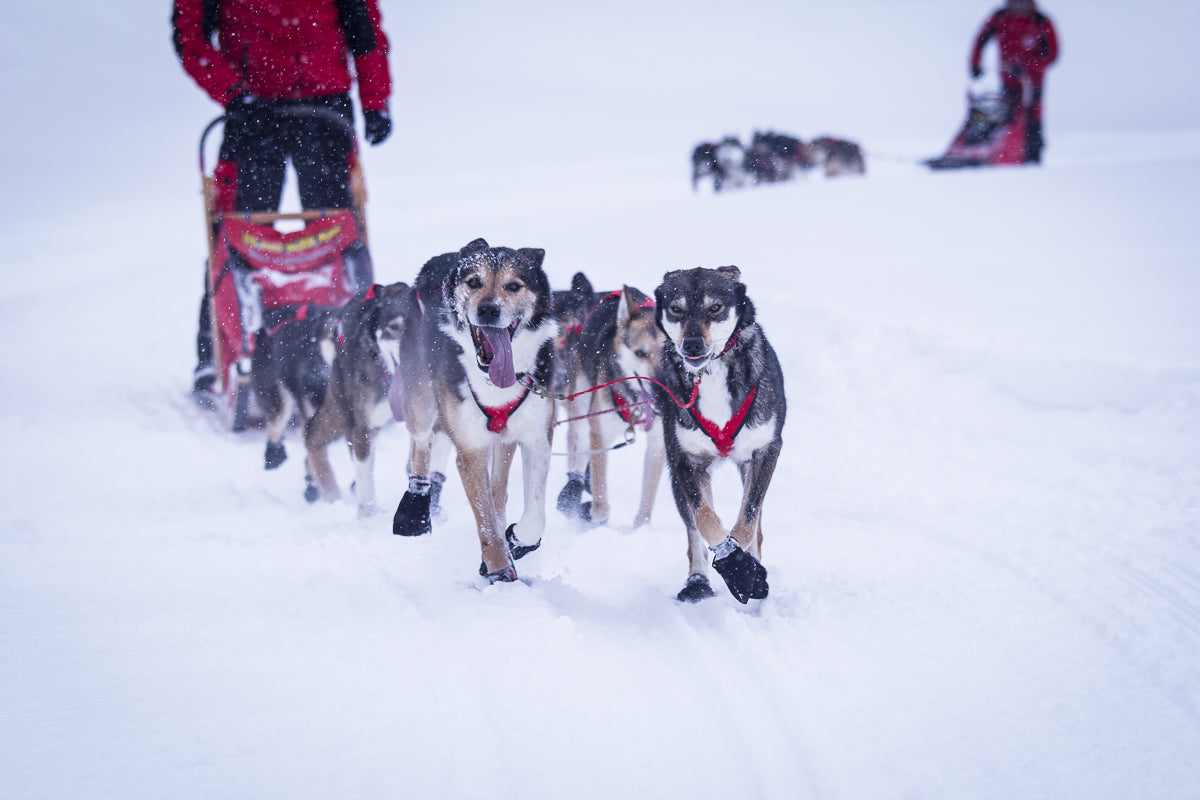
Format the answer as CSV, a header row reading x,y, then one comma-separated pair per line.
x,y
723,436
498,416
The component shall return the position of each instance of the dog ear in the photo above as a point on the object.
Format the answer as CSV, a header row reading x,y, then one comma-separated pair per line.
x,y
745,307
581,286
731,272
474,246
535,254
630,307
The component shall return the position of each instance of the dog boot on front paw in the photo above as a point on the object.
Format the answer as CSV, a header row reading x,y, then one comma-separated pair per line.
x,y
506,575
412,515
743,574
516,548
436,481
696,589
570,498
275,455
311,493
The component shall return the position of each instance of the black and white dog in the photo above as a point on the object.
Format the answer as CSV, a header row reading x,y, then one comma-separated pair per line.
x,y
488,332
728,403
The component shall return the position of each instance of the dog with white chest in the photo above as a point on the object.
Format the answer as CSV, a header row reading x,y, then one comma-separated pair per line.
x,y
488,331
722,397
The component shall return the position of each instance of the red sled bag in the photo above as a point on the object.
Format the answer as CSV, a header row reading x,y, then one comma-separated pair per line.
x,y
261,277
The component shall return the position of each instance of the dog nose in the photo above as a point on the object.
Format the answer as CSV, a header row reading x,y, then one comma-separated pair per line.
x,y
693,346
488,313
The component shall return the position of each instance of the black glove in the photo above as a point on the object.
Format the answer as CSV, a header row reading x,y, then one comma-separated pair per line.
x,y
378,126
976,71
743,574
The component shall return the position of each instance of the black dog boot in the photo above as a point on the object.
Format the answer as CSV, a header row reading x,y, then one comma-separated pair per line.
x,y
696,589
311,492
412,515
516,548
743,574
516,551
570,499
436,481
275,455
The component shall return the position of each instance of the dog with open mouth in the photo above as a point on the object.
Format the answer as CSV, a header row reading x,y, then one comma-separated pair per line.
x,y
722,397
488,333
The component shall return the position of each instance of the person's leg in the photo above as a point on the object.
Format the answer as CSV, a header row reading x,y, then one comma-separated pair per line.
x,y
1034,141
320,144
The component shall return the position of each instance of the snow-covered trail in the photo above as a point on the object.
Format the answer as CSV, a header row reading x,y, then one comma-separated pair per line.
x,y
982,537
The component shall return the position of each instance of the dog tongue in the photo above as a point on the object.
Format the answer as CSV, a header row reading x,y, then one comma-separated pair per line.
x,y
501,369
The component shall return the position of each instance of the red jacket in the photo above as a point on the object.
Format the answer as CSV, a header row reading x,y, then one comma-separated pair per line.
x,y
1027,42
283,49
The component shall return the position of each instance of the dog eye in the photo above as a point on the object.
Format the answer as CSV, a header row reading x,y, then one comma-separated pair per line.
x,y
675,310
474,282
513,287
716,308
640,353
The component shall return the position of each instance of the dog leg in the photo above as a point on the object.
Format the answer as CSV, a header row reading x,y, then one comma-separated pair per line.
x,y
756,478
597,513
413,515
277,422
363,455
535,467
652,467
502,457
328,424
474,467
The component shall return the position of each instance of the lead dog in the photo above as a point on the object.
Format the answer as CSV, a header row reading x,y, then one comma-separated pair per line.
x,y
487,335
619,343
377,332
727,402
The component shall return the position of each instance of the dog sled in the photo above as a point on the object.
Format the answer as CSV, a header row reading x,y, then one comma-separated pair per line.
x,y
993,134
260,274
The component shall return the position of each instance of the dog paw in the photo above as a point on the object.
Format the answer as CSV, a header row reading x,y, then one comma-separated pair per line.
x,y
311,493
696,589
570,499
412,516
274,456
506,575
743,574
517,549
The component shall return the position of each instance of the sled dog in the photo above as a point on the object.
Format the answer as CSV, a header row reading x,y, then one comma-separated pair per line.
x,y
728,403
837,156
618,340
376,333
290,372
488,332
571,309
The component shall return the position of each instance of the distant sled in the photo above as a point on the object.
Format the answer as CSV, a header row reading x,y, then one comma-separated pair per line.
x,y
993,134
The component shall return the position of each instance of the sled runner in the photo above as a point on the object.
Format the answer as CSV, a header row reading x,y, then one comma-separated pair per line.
x,y
994,133
260,275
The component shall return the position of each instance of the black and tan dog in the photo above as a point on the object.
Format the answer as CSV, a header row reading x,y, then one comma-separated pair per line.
x,y
378,331
571,309
619,343
487,335
728,403
290,372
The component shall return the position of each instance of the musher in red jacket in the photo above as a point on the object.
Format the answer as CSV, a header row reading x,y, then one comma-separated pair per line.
x,y
281,70
1028,45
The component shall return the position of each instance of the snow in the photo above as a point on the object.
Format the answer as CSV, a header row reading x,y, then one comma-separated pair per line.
x,y
983,536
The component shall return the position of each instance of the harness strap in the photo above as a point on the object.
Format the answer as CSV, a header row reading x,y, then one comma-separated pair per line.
x,y
498,417
723,436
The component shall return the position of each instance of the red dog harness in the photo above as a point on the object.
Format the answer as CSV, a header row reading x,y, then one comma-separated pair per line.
x,y
723,436
498,417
